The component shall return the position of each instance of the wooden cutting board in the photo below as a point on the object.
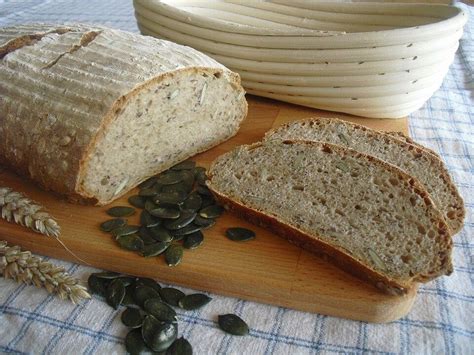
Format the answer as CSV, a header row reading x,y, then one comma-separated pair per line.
x,y
267,269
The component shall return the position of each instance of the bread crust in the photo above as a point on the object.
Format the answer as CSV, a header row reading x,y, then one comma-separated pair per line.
x,y
336,255
410,148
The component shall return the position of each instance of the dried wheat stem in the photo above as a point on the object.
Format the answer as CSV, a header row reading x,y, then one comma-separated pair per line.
x,y
16,207
24,267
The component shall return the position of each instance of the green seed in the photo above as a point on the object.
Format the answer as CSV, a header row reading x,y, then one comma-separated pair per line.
x,y
130,242
143,293
146,236
111,224
134,343
97,285
147,220
165,212
239,234
207,201
171,296
160,310
232,324
172,197
342,166
154,249
185,165
132,318
193,202
161,234
376,259
203,190
200,175
190,228
137,201
125,230
185,218
212,211
115,293
150,205
204,222
194,301
180,347
143,281
158,336
128,299
149,192
178,238
120,211
127,280
170,178
110,275
148,183
343,138
193,240
174,254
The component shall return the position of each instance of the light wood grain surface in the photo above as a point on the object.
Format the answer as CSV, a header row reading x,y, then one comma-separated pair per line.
x,y
267,269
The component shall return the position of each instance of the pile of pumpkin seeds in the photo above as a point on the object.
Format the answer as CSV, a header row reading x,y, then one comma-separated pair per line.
x,y
176,207
150,315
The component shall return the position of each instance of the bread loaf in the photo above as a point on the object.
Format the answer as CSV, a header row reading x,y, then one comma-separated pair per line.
x,y
368,216
90,112
415,161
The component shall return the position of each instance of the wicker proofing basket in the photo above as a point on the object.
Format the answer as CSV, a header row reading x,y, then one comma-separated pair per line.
x,y
379,60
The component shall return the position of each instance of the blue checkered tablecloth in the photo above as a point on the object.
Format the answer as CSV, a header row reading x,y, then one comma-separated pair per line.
x,y
441,321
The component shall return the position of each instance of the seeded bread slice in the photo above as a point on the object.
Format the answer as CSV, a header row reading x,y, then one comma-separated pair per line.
x,y
368,216
90,112
425,167
408,140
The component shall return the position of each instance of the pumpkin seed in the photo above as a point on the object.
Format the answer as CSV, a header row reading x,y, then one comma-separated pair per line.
x,y
194,301
158,336
185,165
110,275
125,230
165,212
171,296
134,343
204,222
173,197
200,175
143,293
342,166
376,259
232,324
127,280
193,202
170,178
137,201
174,254
149,192
180,347
144,281
147,220
185,218
343,138
132,318
150,205
130,242
148,183
120,211
128,299
160,310
111,224
212,211
180,187
97,285
146,236
178,238
161,234
115,293
154,249
239,234
203,190
207,201
193,240
190,228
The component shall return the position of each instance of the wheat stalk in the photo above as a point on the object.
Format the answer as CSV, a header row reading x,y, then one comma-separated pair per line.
x,y
24,267
16,207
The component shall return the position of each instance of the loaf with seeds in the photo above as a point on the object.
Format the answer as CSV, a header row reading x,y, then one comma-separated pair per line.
x,y
369,217
90,112
414,160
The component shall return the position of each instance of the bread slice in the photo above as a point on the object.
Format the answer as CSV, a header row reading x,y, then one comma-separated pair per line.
x,y
368,216
406,139
425,167
89,112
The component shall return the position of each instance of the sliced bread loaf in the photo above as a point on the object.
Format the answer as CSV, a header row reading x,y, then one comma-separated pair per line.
x,y
424,166
91,112
368,216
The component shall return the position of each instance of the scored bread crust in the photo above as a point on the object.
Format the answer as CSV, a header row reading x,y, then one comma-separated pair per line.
x,y
338,256
456,223
40,154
